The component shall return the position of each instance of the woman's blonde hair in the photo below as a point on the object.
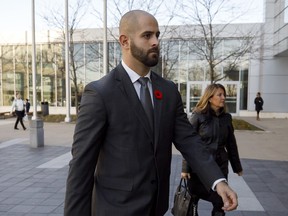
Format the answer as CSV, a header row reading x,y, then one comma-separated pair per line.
x,y
203,104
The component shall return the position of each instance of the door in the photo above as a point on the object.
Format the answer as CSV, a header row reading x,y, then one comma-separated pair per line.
x,y
196,89
232,96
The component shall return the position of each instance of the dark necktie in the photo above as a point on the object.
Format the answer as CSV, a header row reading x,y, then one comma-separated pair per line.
x,y
145,99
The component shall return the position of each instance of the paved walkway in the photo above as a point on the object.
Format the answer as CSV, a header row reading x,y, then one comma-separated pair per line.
x,y
32,180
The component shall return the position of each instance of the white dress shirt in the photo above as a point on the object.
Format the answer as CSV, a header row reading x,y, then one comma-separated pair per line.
x,y
18,104
134,77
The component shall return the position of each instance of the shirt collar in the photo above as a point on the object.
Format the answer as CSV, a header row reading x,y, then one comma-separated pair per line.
x,y
132,74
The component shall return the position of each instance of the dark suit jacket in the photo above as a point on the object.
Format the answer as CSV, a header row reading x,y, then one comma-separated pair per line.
x,y
116,152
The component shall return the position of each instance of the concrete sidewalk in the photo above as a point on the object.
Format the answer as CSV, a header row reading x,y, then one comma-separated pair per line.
x,y
263,189
32,181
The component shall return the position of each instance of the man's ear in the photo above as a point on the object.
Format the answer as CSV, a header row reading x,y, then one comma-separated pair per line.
x,y
124,41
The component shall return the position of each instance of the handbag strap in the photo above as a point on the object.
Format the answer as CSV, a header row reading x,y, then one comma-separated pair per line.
x,y
183,186
180,185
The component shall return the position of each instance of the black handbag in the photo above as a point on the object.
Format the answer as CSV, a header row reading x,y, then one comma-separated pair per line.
x,y
182,199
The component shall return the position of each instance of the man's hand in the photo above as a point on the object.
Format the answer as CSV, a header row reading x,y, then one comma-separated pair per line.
x,y
229,197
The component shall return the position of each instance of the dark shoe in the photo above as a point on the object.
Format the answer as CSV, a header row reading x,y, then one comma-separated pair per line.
x,y
24,128
16,128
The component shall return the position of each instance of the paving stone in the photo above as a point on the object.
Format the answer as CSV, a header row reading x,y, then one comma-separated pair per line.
x,y
27,190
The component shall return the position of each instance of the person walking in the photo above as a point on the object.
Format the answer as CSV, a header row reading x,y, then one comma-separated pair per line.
x,y
18,105
27,106
259,102
214,125
127,122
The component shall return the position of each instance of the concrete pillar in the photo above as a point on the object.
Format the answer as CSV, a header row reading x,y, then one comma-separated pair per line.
x,y
36,133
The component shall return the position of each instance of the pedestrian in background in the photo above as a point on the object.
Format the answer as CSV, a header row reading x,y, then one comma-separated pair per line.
x,y
19,106
259,102
214,125
27,106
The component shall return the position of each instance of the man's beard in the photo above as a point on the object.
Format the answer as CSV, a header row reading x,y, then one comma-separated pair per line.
x,y
143,57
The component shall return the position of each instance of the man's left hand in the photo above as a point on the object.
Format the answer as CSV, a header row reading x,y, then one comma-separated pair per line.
x,y
229,197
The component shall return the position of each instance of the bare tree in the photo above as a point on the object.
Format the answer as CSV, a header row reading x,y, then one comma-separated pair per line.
x,y
160,9
56,19
170,57
209,38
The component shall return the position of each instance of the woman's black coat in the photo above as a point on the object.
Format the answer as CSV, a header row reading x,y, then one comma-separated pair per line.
x,y
217,132
258,101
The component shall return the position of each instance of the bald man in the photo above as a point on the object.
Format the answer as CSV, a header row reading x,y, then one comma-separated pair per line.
x,y
121,163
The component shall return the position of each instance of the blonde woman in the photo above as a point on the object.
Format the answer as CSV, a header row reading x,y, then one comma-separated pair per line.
x,y
214,125
19,106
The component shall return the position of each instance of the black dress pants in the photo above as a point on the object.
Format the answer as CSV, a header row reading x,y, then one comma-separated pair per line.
x,y
20,115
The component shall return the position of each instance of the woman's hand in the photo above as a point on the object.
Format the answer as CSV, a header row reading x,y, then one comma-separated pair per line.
x,y
185,175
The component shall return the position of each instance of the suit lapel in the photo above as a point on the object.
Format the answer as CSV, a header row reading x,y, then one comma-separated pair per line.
x,y
157,89
126,86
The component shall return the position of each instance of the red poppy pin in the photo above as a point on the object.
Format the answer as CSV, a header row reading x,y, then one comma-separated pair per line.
x,y
158,94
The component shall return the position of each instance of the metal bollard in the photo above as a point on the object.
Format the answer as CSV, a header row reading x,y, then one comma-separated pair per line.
x,y
36,133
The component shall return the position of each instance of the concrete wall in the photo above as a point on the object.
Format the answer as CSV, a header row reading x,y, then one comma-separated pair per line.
x,y
268,73
272,81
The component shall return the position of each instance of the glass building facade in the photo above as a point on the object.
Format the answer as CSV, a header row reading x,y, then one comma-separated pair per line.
x,y
179,62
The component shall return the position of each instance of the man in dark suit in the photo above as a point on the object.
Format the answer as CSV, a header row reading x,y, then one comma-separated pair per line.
x,y
121,162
